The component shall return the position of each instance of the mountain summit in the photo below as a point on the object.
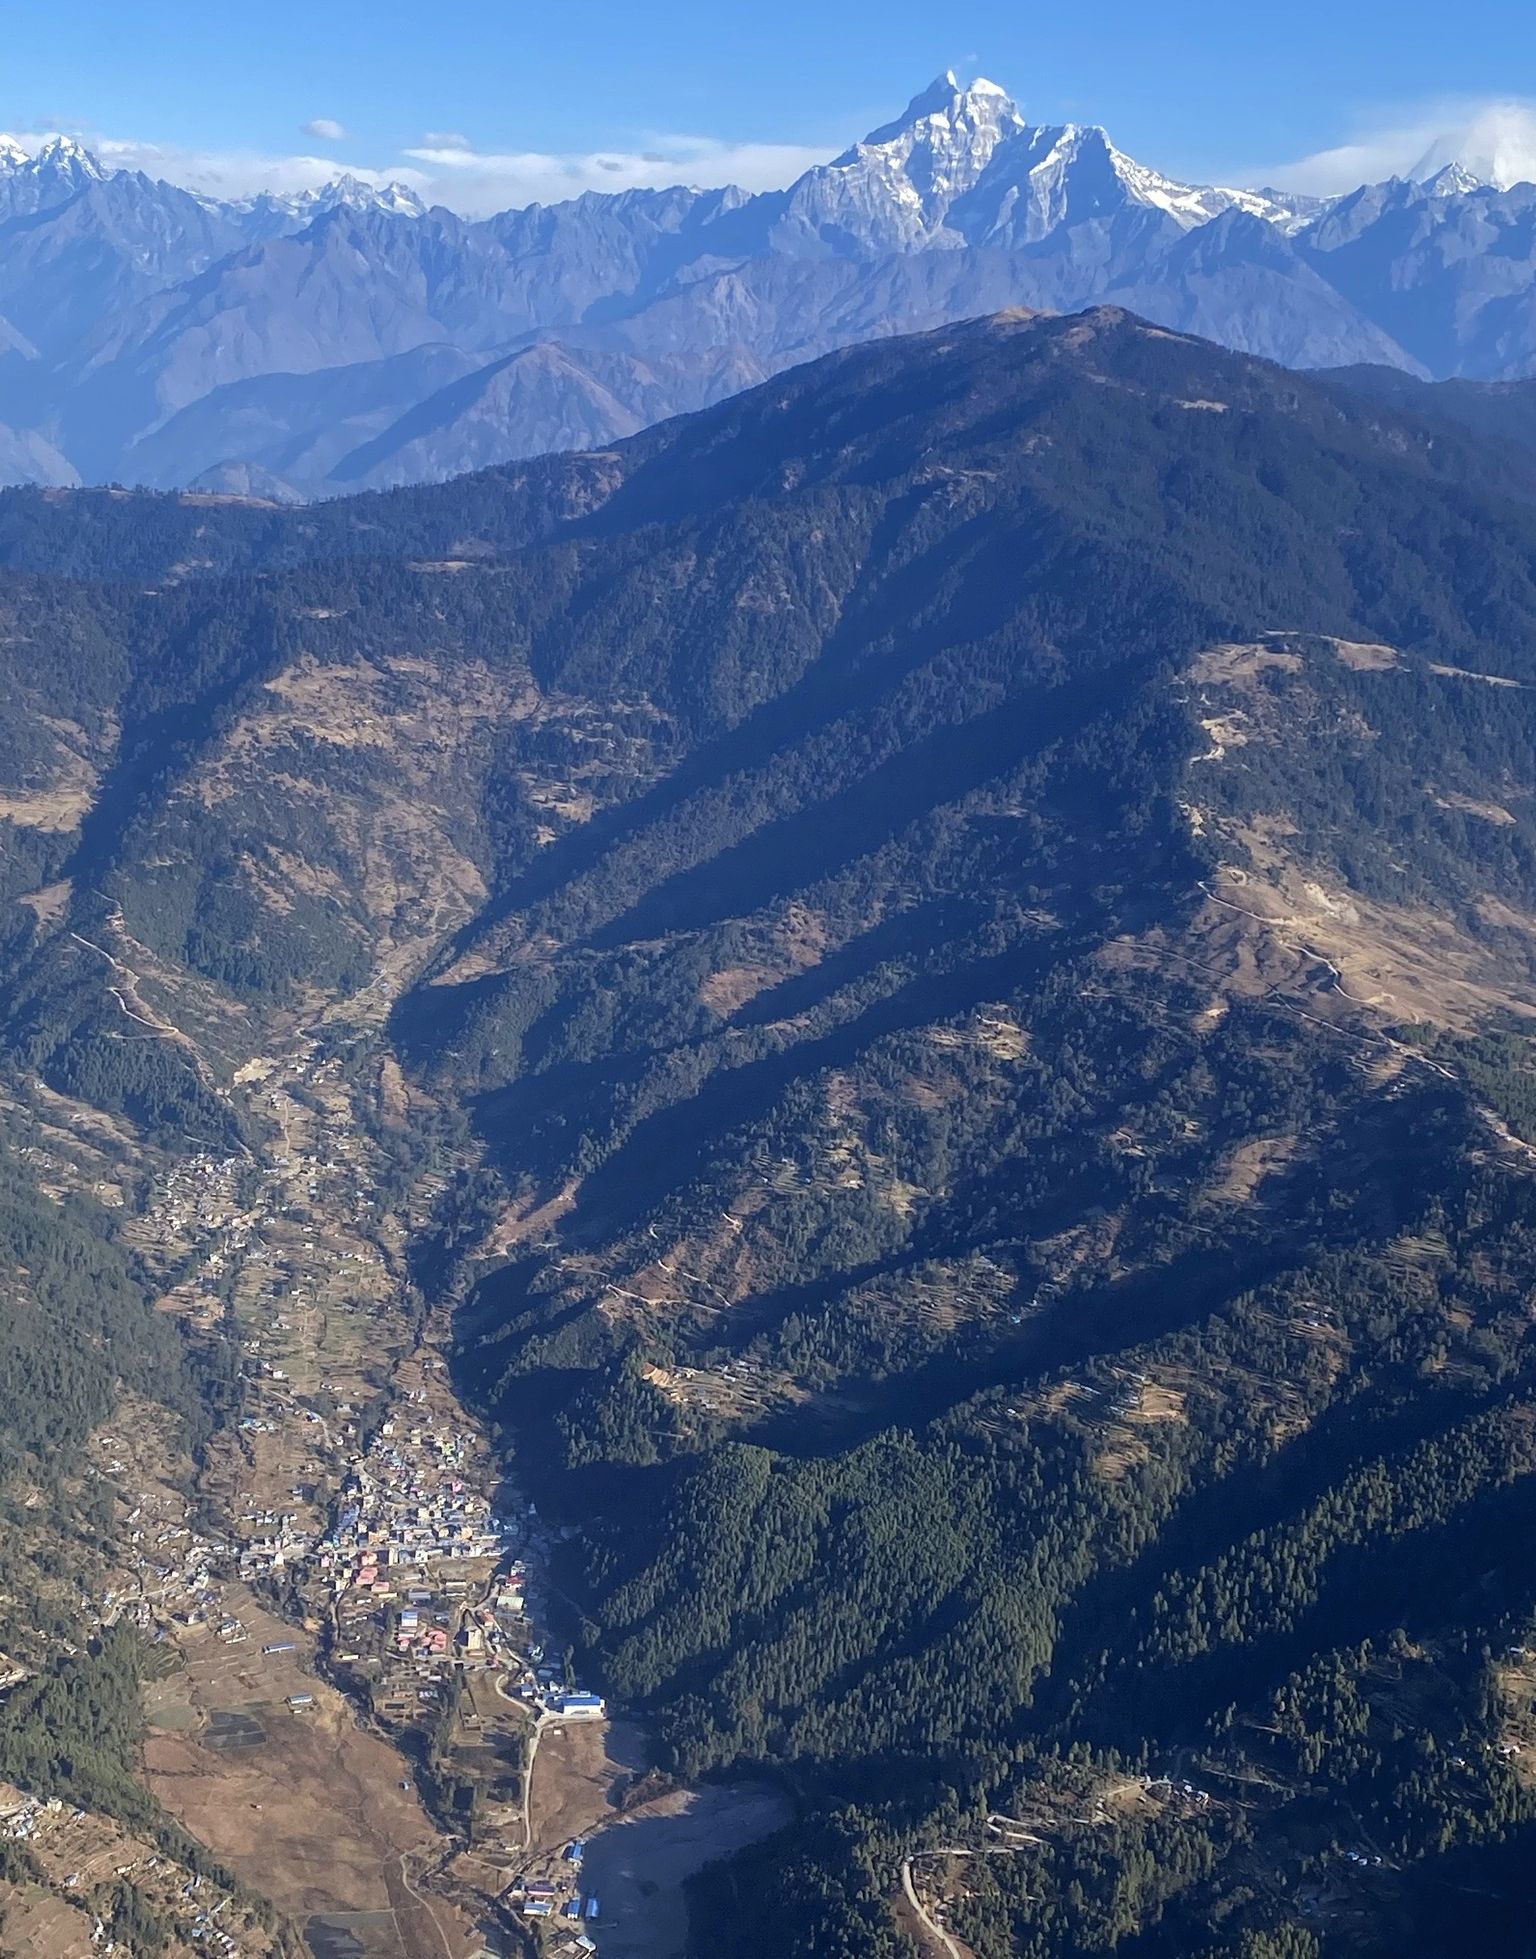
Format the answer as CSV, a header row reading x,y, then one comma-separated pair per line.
x,y
1498,147
32,181
962,166
893,191
346,191
347,337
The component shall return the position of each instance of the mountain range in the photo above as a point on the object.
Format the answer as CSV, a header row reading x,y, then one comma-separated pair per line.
x,y
350,338
936,966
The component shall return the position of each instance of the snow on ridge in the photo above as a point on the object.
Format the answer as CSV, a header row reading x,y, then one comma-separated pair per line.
x,y
906,186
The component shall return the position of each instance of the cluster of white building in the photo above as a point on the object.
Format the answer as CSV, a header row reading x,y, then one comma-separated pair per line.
x,y
407,1501
276,1541
172,1567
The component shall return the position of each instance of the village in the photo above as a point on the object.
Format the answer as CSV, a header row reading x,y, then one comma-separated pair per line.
x,y
78,1861
354,1556
353,1706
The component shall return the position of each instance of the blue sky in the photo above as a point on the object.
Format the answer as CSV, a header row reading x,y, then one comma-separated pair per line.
x,y
598,90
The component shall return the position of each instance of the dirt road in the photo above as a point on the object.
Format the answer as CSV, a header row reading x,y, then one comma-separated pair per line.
x,y
935,1931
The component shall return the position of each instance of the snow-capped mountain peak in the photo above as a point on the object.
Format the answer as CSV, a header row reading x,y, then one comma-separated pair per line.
x,y
1048,177
947,124
399,200
63,156
39,178
271,213
56,157
937,99
1496,149
1455,180
396,199
893,190
961,166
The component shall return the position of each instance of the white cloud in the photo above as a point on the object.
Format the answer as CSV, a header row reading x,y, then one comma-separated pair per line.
x,y
446,168
1496,140
491,180
238,173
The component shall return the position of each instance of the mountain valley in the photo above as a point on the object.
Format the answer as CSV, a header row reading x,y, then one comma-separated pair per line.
x,y
905,1005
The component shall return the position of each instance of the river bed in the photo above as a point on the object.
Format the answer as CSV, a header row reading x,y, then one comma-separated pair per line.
x,y
638,1866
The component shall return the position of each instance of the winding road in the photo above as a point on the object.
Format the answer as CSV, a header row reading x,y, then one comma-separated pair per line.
x,y
539,1721
931,1926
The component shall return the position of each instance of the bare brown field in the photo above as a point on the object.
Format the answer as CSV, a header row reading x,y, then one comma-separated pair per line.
x,y
575,1770
43,1926
312,1814
315,1818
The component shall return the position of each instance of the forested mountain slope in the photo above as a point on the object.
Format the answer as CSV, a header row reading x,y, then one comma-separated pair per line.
x,y
973,912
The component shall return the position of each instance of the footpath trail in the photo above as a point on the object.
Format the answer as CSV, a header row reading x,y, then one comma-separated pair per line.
x,y
425,1904
540,1721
